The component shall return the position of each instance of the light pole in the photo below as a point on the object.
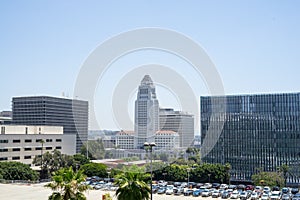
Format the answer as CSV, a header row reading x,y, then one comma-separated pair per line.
x,y
209,177
188,172
148,147
42,142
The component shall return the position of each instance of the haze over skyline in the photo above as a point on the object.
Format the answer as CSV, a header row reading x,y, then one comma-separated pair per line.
x,y
254,46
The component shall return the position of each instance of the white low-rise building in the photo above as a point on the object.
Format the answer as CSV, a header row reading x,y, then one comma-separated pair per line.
x,y
22,143
125,139
166,139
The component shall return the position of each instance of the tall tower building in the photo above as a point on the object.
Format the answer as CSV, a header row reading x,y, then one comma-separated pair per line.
x,y
146,113
71,114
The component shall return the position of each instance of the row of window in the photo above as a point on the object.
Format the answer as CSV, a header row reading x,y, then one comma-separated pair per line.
x,y
30,140
29,149
15,158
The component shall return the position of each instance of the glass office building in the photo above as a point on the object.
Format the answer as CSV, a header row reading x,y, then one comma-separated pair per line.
x,y
252,132
71,114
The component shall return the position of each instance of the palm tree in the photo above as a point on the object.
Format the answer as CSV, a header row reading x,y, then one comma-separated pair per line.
x,y
132,186
67,185
284,170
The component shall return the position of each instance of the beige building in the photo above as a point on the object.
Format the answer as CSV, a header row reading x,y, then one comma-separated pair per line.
x,y
22,143
125,140
166,140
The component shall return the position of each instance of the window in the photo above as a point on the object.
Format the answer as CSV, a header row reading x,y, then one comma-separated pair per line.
x,y
3,141
3,158
16,158
27,157
28,140
38,140
16,141
38,148
27,149
2,129
3,150
48,140
58,140
16,149
26,130
48,148
58,147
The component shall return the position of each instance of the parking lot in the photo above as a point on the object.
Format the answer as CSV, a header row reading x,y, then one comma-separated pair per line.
x,y
39,192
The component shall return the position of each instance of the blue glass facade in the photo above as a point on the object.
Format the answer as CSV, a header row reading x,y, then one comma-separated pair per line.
x,y
257,132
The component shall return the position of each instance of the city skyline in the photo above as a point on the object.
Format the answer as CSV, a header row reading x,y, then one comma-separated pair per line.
x,y
254,47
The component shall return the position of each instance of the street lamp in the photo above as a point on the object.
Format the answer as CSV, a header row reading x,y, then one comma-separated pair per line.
x,y
209,177
164,174
148,147
188,172
42,172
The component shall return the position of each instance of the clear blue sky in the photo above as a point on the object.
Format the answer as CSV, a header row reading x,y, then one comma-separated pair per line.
x,y
254,44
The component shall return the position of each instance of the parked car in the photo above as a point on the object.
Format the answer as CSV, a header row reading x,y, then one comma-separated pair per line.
x,y
224,186
265,196
285,190
233,187
244,195
296,196
198,185
286,197
215,194
208,185
206,193
235,195
254,196
249,187
241,186
161,190
258,189
177,184
197,192
170,190
276,188
276,195
188,192
225,195
294,190
216,185
178,191
267,189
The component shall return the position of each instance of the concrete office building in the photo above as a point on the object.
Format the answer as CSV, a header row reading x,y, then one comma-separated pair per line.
x,y
180,122
22,143
71,114
146,113
256,132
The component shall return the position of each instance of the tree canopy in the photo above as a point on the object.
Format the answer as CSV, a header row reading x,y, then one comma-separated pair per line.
x,y
17,171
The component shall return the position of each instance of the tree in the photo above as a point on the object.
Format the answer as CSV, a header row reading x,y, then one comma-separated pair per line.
x,y
284,170
95,149
67,185
17,171
53,161
94,169
132,186
81,159
268,178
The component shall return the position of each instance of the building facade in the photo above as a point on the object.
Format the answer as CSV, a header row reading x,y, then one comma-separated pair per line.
x,y
125,140
71,114
180,122
146,113
22,143
166,140
252,132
